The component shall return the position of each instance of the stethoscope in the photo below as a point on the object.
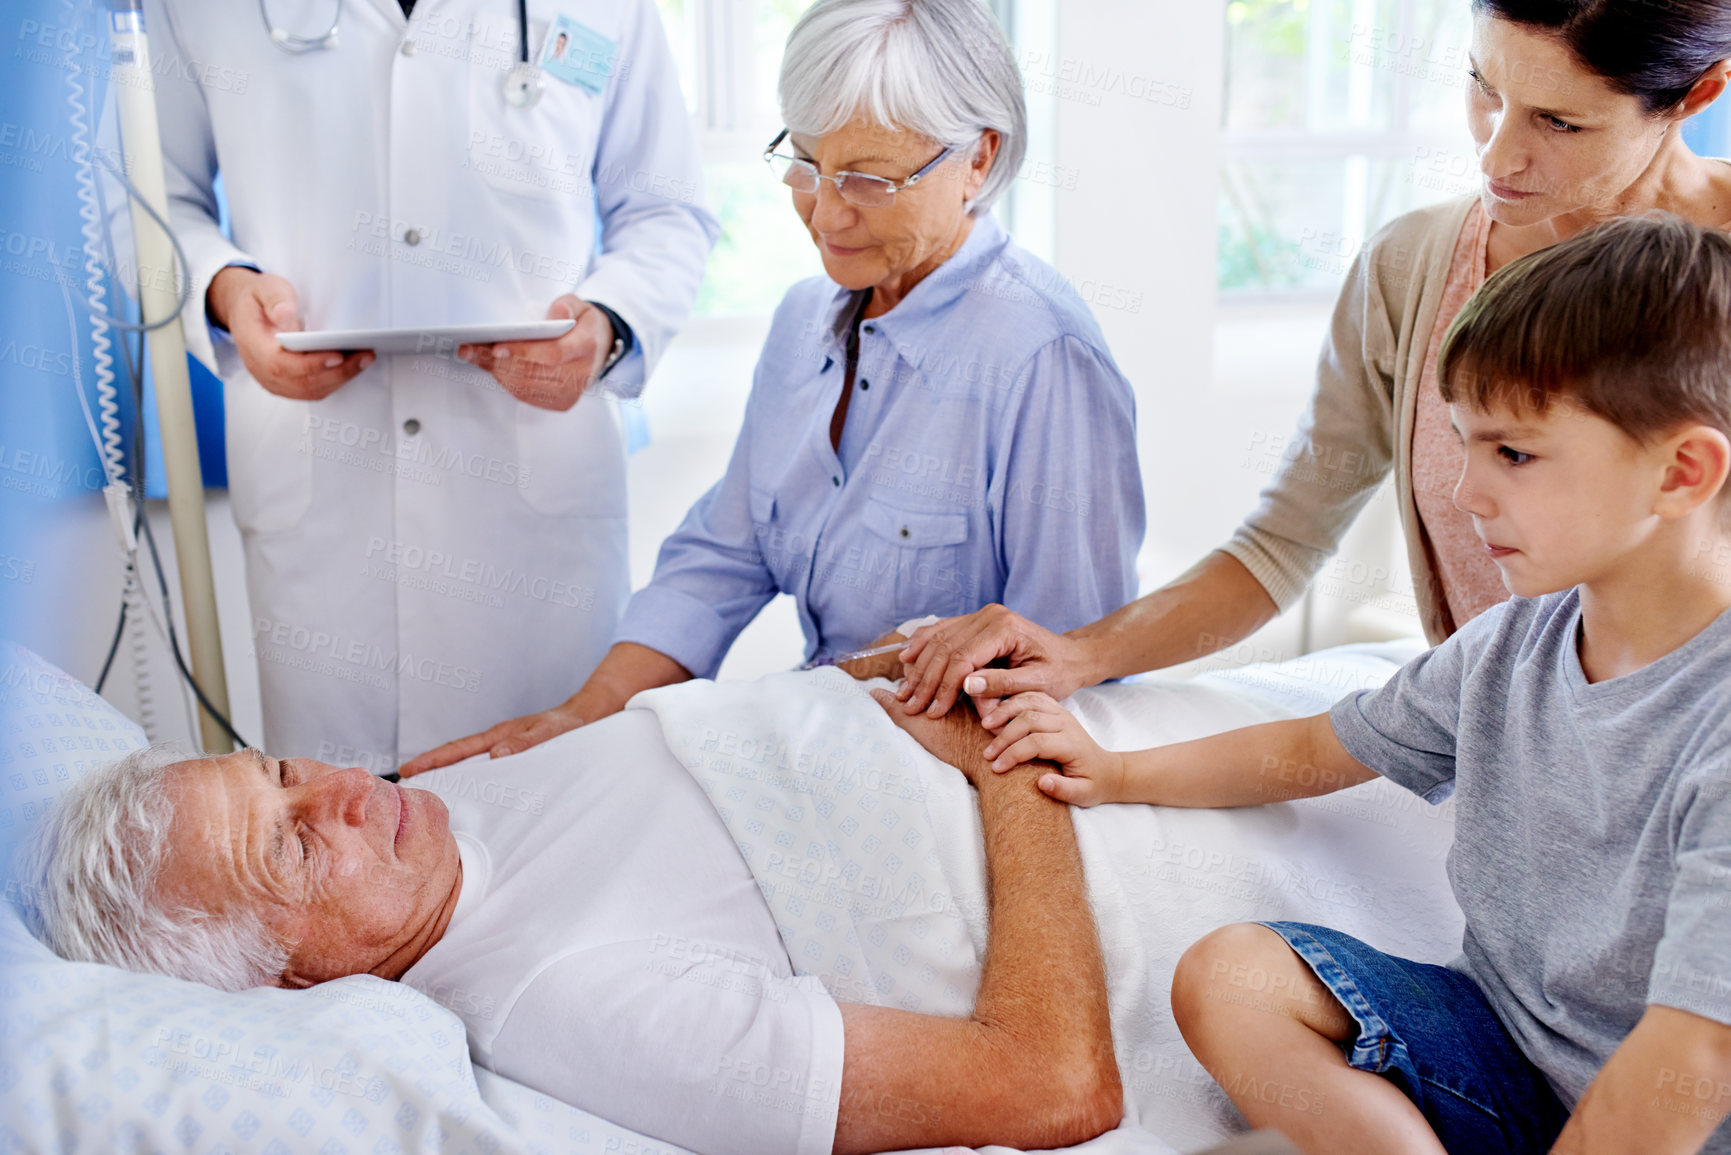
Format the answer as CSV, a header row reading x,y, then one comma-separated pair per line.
x,y
522,83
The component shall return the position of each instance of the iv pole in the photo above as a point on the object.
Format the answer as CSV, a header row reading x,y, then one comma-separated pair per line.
x,y
135,99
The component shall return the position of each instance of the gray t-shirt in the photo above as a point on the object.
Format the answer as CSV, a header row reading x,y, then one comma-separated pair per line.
x,y
1592,853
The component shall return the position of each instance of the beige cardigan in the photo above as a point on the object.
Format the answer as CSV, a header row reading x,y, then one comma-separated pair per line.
x,y
1359,424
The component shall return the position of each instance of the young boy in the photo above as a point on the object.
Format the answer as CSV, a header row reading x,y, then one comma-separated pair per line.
x,y
1584,729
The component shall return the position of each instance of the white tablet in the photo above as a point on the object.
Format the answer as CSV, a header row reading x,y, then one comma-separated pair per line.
x,y
431,340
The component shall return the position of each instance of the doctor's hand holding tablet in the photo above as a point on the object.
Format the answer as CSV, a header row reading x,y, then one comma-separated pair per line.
x,y
254,307
546,364
552,374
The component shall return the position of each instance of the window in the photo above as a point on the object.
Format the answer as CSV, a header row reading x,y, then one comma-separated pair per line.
x,y
729,57
1339,116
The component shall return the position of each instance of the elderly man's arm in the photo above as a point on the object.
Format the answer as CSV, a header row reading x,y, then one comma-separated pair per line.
x,y
882,666
1033,1066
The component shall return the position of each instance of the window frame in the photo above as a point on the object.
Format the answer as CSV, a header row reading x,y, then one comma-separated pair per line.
x,y
1399,141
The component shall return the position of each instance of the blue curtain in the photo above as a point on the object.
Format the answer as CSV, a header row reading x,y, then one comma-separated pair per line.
x,y
47,457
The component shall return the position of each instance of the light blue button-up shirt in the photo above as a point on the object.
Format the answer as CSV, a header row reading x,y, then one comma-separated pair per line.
x,y
989,454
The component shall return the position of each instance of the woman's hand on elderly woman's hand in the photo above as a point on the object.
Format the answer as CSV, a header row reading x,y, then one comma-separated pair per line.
x,y
945,659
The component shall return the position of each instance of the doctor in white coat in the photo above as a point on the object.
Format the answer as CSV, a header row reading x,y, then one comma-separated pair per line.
x,y
433,541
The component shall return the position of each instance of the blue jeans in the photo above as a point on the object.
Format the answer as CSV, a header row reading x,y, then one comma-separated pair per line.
x,y
1431,1032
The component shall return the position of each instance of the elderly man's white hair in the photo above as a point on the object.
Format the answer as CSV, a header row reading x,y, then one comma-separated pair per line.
x,y
92,869
941,68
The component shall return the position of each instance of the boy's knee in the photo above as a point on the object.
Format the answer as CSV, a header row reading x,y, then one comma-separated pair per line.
x,y
1212,962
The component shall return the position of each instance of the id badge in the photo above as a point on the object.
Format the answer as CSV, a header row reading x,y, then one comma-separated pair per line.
x,y
577,54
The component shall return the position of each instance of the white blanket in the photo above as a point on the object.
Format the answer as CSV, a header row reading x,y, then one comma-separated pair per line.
x,y
870,855
95,1059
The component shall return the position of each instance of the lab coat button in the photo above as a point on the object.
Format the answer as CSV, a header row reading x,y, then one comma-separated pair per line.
x,y
412,427
408,48
412,237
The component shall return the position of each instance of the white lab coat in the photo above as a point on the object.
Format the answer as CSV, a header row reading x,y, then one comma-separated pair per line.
x,y
425,554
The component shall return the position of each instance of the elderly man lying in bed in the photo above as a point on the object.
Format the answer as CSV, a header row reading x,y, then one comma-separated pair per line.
x,y
587,914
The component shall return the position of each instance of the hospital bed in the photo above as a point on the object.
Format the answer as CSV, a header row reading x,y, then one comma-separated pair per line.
x,y
97,1059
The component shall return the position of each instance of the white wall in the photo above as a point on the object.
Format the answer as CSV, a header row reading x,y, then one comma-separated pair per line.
x,y
1136,236
1137,87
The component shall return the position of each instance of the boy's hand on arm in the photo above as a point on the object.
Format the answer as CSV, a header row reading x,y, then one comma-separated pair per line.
x,y
1663,1092
1272,762
1033,726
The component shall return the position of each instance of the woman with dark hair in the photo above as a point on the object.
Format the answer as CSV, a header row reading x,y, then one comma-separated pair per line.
x,y
1577,108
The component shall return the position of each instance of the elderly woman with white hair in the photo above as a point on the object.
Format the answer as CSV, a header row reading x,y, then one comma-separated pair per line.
x,y
934,425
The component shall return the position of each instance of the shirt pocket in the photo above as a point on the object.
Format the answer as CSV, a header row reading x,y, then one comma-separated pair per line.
x,y
930,550
762,505
782,552
541,153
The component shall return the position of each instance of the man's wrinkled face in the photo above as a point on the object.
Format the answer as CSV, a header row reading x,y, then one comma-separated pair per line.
x,y
356,874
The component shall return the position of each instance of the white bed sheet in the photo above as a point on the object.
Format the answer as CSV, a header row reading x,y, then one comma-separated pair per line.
x,y
869,853
94,1059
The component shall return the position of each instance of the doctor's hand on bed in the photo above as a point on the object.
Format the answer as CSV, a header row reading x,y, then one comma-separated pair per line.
x,y
944,660
550,374
1033,726
254,307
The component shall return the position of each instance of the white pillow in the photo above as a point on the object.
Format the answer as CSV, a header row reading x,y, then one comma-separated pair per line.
x,y
93,1058
52,730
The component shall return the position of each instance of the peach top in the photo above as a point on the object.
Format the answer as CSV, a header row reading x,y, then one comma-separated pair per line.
x,y
1471,583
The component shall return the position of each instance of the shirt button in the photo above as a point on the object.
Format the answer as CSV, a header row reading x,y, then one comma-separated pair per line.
x,y
865,384
412,237
871,328
412,427
837,481
904,531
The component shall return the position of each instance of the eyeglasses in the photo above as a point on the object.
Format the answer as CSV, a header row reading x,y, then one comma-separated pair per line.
x,y
856,188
